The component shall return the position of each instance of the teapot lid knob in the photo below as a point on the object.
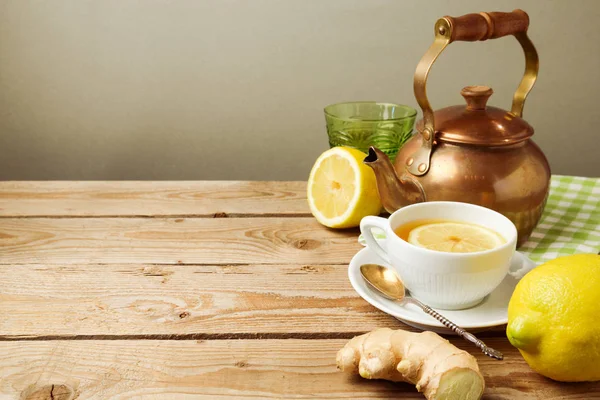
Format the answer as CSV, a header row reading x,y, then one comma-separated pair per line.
x,y
476,96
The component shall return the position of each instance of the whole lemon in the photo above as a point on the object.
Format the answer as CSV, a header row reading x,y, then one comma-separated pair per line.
x,y
554,318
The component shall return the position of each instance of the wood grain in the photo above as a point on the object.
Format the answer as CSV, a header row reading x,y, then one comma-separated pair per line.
x,y
141,198
301,301
243,369
93,273
173,241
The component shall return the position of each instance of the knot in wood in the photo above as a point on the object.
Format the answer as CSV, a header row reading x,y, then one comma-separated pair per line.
x,y
49,392
306,244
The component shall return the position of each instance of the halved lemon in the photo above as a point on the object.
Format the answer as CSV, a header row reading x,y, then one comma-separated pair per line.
x,y
341,189
455,237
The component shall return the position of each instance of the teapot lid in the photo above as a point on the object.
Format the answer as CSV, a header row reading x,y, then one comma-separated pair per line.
x,y
477,123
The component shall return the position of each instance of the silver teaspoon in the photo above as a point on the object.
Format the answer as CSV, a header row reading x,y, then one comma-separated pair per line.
x,y
385,281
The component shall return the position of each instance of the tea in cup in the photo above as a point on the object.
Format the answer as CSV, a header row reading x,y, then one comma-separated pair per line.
x,y
449,255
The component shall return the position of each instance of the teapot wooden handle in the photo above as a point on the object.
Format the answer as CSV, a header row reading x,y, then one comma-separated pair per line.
x,y
470,27
484,26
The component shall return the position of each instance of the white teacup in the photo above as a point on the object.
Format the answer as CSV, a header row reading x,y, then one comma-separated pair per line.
x,y
450,281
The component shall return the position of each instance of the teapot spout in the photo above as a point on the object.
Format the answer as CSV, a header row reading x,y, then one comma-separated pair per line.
x,y
394,192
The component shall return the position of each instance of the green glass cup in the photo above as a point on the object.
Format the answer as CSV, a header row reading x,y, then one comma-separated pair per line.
x,y
362,124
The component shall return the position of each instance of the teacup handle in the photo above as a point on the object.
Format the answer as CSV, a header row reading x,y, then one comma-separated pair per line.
x,y
365,228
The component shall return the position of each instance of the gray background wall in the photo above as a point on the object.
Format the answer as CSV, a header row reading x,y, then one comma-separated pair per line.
x,y
234,89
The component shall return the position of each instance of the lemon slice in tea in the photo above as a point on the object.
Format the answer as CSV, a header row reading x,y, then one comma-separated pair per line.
x,y
455,237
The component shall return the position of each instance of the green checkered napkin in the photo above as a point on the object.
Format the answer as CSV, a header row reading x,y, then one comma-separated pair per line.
x,y
571,220
570,223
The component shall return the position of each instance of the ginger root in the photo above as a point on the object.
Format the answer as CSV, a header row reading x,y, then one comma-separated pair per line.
x,y
439,370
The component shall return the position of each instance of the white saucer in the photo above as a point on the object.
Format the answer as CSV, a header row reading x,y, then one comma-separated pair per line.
x,y
492,311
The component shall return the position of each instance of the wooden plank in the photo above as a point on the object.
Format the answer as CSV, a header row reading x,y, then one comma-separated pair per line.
x,y
202,301
173,241
239,369
143,198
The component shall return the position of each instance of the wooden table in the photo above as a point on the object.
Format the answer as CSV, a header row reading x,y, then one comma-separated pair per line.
x,y
192,290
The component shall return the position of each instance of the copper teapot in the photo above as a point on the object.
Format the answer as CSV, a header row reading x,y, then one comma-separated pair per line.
x,y
475,153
